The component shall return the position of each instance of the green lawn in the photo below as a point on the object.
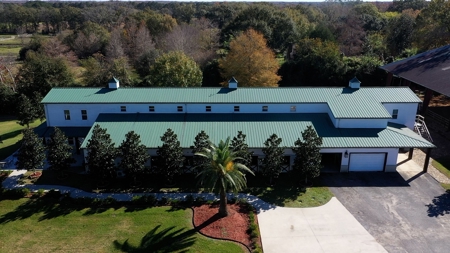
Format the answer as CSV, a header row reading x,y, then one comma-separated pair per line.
x,y
11,134
443,165
288,193
42,225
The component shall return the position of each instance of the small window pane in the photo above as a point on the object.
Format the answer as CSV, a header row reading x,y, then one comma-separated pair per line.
x,y
67,114
236,108
180,108
123,108
71,142
293,108
395,114
265,108
208,108
83,114
151,108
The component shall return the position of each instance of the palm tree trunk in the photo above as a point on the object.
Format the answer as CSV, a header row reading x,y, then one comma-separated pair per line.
x,y
223,211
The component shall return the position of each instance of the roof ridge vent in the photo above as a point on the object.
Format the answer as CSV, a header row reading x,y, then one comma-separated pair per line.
x,y
113,83
354,83
232,83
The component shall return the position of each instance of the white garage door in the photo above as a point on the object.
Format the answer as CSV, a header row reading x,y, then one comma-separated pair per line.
x,y
367,162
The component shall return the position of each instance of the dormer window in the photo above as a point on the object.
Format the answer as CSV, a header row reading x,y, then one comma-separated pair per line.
x,y
265,108
180,108
123,108
83,114
236,108
395,113
208,108
66,114
151,108
293,108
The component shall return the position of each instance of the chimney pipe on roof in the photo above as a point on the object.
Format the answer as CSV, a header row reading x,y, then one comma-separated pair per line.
x,y
354,83
232,83
113,83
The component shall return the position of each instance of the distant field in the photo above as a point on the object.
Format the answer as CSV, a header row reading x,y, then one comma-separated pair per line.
x,y
15,41
9,50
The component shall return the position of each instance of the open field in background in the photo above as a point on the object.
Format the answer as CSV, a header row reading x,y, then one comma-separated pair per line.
x,y
42,225
9,50
11,134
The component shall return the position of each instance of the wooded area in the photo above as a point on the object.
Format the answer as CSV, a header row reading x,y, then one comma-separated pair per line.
x,y
205,44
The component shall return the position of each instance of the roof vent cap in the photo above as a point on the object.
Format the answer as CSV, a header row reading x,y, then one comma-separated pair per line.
x,y
232,83
113,83
354,83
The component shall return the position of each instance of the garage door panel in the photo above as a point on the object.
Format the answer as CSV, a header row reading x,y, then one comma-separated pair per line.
x,y
367,162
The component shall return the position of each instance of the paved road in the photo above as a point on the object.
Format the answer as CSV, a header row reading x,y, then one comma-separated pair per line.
x,y
406,211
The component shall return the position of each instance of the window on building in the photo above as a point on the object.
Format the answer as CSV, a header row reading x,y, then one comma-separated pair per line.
x,y
83,114
236,108
71,142
67,114
395,113
208,108
265,108
123,108
293,108
151,108
180,108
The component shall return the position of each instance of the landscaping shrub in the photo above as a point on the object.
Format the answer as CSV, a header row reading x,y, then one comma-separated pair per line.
x,y
40,192
189,200
144,200
15,193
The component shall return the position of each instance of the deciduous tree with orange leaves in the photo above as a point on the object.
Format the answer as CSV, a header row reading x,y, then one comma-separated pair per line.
x,y
250,61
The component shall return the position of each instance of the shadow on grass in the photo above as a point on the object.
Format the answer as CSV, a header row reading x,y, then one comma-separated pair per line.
x,y
165,240
440,205
8,150
11,135
285,188
49,208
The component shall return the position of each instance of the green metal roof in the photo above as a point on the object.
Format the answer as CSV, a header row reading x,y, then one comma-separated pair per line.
x,y
343,102
43,131
257,127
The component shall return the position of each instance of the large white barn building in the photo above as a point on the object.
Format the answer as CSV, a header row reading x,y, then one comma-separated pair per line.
x,y
362,128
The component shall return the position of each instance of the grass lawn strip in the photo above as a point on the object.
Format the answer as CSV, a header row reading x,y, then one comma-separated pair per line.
x,y
29,225
443,165
11,134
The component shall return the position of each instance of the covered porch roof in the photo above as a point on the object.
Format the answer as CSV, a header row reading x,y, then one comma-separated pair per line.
x,y
257,127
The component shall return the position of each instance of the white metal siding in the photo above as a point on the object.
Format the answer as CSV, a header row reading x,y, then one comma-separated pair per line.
x,y
367,162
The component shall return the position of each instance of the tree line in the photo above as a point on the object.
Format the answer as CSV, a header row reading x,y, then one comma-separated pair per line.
x,y
205,44
133,155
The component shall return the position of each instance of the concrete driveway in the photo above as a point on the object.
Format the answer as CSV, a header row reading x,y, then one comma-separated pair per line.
x,y
328,228
406,211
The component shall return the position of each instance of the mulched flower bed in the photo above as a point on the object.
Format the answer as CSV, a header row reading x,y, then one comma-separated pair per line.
x,y
233,227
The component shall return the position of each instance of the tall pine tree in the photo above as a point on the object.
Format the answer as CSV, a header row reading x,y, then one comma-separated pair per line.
x,y
273,159
201,142
307,154
31,155
101,155
59,152
134,155
240,147
170,156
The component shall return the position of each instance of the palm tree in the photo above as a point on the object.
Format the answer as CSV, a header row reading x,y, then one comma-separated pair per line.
x,y
223,172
